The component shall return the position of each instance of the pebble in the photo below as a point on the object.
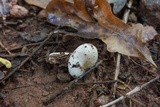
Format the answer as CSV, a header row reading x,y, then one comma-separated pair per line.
x,y
18,11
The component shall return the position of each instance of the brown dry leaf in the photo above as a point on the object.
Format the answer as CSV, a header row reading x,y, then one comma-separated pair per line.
x,y
39,3
131,45
118,4
94,19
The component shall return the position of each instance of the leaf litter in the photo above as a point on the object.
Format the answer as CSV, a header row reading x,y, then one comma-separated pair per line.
x,y
36,79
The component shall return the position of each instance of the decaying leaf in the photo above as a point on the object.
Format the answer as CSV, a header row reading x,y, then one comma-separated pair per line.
x,y
117,4
94,19
36,37
133,43
39,3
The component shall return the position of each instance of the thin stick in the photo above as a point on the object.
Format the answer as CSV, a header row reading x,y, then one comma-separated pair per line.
x,y
13,55
141,65
5,48
126,14
62,91
31,44
88,70
116,74
135,90
97,82
125,19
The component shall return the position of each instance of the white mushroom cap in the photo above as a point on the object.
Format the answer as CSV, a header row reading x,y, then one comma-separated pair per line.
x,y
85,56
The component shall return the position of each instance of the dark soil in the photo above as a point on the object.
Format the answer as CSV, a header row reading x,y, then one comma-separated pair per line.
x,y
37,78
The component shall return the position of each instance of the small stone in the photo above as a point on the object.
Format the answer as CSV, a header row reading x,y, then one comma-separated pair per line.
x,y
18,11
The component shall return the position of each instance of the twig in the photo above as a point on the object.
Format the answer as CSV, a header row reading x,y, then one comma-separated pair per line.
x,y
31,44
62,91
126,14
136,101
141,65
13,55
5,48
135,90
42,44
125,19
116,74
97,82
158,69
88,70
14,70
25,60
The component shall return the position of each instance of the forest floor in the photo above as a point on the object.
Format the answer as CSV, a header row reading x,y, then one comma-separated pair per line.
x,y
36,79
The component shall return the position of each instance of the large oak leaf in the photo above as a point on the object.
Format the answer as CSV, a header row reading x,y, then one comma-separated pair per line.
x,y
94,19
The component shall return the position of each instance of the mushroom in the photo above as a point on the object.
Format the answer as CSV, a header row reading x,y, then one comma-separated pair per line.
x,y
84,56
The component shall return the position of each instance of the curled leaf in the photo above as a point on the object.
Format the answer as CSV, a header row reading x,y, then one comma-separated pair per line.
x,y
147,32
94,19
116,43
